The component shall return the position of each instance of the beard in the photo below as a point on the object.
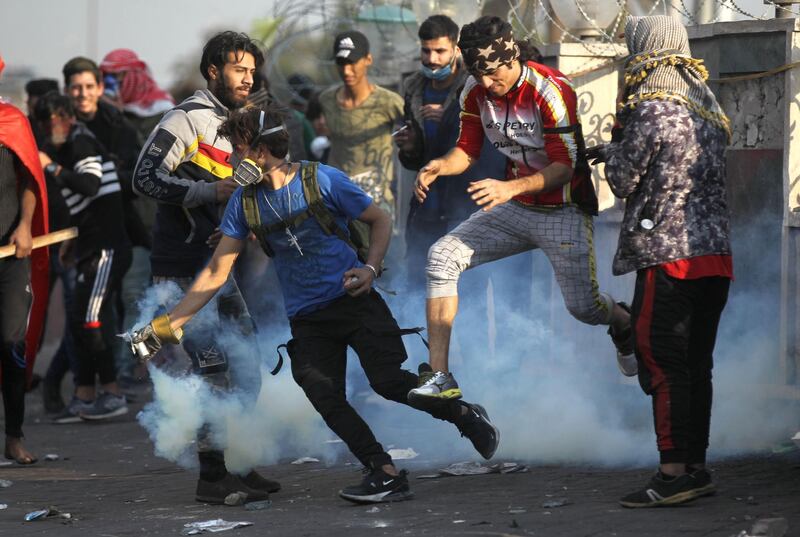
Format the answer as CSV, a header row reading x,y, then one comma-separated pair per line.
x,y
227,96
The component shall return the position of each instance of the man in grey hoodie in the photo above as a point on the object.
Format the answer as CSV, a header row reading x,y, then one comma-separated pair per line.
x,y
185,167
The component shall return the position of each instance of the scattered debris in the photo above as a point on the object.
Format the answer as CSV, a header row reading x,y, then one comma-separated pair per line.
x,y
517,511
402,454
466,468
36,515
375,509
459,521
476,468
5,483
305,460
212,526
3,506
46,513
236,498
257,506
51,457
796,439
555,502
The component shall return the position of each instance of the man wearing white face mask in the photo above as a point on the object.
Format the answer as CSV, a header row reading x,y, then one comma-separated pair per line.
x,y
327,287
431,112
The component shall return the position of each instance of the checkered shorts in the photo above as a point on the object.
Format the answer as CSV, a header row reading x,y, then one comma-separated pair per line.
x,y
564,234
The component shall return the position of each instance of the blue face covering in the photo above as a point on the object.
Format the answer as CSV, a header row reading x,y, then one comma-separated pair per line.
x,y
438,74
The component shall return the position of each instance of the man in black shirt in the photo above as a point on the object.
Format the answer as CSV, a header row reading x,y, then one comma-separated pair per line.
x,y
102,254
84,85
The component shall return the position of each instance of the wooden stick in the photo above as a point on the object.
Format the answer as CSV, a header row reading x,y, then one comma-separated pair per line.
x,y
42,240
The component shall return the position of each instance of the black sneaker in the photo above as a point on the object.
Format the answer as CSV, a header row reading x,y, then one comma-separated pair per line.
x,y
660,491
216,491
623,341
254,480
476,426
703,484
379,487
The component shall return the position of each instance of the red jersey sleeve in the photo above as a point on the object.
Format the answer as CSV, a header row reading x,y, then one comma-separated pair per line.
x,y
557,103
470,136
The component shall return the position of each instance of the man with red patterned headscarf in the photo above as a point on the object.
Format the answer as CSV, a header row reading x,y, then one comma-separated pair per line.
x,y
23,276
142,100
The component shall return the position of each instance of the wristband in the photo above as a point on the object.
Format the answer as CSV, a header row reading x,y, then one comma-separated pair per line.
x,y
370,267
163,330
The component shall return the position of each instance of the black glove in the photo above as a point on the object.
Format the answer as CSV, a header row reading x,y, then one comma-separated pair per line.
x,y
595,154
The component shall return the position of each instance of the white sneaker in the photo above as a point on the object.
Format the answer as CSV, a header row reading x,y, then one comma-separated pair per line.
x,y
435,385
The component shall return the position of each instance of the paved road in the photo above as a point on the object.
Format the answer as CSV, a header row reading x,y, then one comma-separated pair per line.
x,y
113,485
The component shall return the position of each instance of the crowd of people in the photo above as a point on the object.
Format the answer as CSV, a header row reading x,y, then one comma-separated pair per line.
x,y
502,168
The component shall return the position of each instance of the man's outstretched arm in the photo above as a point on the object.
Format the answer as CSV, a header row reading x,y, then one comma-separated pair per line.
x,y
207,283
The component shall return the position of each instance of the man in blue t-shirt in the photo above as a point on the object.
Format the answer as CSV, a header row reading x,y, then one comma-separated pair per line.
x,y
328,296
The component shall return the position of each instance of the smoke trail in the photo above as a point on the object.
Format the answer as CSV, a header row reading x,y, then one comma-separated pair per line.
x,y
280,423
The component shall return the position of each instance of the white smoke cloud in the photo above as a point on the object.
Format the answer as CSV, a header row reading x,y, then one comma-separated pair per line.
x,y
550,384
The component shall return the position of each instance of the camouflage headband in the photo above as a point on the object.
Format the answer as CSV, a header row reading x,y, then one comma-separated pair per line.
x,y
492,53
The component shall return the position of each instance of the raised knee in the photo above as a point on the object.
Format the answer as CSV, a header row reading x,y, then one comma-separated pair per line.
x,y
446,259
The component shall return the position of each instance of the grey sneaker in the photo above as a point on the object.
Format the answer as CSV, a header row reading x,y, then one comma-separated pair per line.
x,y
71,414
107,405
623,341
435,385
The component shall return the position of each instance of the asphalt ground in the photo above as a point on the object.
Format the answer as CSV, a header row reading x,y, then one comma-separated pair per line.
x,y
112,484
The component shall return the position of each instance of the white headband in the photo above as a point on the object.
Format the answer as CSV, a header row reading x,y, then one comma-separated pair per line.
x,y
268,131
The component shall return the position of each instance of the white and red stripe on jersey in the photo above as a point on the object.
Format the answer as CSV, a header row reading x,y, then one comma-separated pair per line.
x,y
534,125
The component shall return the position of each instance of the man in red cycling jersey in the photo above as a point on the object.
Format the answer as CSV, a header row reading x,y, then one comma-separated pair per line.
x,y
546,199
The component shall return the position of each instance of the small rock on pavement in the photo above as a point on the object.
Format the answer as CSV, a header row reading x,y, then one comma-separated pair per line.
x,y
236,498
5,483
51,457
770,527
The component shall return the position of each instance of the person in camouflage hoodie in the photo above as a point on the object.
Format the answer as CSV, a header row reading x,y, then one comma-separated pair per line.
x,y
667,160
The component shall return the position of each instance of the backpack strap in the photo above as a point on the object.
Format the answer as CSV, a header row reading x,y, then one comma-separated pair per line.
x,y
317,207
253,218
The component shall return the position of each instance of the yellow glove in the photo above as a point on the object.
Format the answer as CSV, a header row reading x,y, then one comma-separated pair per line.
x,y
163,331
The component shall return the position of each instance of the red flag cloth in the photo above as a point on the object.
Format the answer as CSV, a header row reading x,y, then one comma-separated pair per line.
x,y
16,134
137,86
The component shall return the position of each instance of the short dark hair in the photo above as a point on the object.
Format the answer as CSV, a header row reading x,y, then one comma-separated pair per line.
x,y
242,128
53,103
487,28
216,50
79,65
40,86
437,26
